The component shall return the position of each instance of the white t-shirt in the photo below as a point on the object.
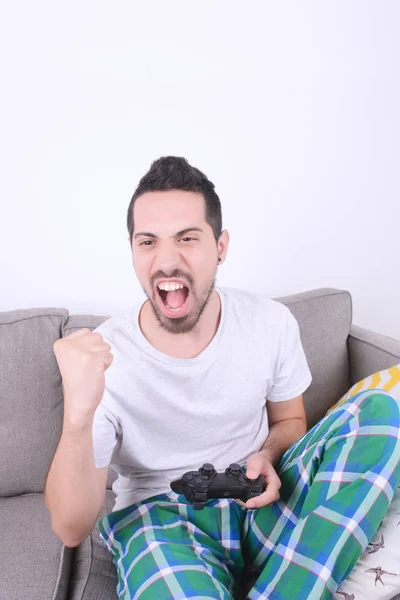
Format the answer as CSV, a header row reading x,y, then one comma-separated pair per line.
x,y
161,416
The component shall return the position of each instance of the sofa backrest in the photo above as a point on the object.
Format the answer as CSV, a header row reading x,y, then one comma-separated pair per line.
x,y
31,397
324,317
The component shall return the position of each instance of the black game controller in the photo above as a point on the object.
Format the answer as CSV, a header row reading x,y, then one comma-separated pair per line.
x,y
199,486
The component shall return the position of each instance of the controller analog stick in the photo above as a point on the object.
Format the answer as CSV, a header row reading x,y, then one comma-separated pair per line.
x,y
207,469
234,469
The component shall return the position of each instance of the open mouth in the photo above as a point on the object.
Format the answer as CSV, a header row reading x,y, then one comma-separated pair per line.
x,y
174,302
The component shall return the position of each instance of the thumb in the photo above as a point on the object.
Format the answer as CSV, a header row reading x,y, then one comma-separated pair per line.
x,y
253,466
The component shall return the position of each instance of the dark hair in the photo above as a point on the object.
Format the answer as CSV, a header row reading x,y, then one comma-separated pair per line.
x,y
175,173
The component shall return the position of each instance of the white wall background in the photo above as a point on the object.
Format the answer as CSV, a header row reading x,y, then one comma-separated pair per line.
x,y
290,108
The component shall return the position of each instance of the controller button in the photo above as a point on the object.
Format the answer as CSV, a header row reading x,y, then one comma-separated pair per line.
x,y
189,477
253,494
200,496
204,477
198,481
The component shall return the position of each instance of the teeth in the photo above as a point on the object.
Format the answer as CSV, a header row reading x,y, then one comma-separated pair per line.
x,y
170,287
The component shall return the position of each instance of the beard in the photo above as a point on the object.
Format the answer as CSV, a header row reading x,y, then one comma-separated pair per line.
x,y
199,301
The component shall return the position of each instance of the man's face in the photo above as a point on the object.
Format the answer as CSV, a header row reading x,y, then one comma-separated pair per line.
x,y
175,256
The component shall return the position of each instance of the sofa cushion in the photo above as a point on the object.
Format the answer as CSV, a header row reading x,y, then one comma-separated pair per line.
x,y
31,398
94,574
376,575
387,379
370,352
324,317
34,563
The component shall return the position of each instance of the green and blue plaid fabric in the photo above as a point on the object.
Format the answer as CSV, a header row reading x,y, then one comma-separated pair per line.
x,y
337,483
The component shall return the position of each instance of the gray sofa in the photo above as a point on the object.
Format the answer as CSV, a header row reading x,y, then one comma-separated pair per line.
x,y
34,563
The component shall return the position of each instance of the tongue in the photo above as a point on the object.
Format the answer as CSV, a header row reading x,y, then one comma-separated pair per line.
x,y
176,299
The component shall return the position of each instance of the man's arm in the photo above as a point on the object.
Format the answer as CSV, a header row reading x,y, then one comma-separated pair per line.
x,y
75,489
287,423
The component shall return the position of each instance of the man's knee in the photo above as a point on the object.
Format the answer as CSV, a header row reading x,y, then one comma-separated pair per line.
x,y
382,404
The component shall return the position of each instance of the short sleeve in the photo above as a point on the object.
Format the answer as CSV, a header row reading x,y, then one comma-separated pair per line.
x,y
293,375
106,431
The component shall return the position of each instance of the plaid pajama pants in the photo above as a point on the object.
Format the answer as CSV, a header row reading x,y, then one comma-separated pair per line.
x,y
337,483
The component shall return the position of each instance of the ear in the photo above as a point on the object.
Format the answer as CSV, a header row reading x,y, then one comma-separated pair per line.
x,y
222,246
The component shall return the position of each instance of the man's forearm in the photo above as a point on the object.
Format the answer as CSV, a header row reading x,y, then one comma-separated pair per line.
x,y
281,436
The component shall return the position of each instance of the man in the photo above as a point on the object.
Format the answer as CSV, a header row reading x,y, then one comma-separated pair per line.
x,y
200,374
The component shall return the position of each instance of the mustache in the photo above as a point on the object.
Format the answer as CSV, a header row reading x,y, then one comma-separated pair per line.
x,y
176,274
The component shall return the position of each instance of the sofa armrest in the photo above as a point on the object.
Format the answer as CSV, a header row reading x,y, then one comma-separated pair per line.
x,y
370,352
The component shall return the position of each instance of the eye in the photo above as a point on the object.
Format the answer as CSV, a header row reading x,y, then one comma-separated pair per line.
x,y
145,243
188,239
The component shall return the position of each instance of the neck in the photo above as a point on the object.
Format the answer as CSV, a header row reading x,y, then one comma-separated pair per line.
x,y
186,345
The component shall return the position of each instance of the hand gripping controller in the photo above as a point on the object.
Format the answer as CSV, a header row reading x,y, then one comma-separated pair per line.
x,y
199,486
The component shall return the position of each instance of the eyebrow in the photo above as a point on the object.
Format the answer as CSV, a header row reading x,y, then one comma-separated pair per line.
x,y
179,233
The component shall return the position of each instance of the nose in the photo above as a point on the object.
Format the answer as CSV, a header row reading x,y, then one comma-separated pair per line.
x,y
168,258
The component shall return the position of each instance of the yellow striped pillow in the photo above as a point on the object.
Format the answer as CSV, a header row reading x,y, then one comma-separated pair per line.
x,y
388,380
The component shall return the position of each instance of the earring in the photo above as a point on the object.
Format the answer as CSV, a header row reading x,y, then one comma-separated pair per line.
x,y
219,260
